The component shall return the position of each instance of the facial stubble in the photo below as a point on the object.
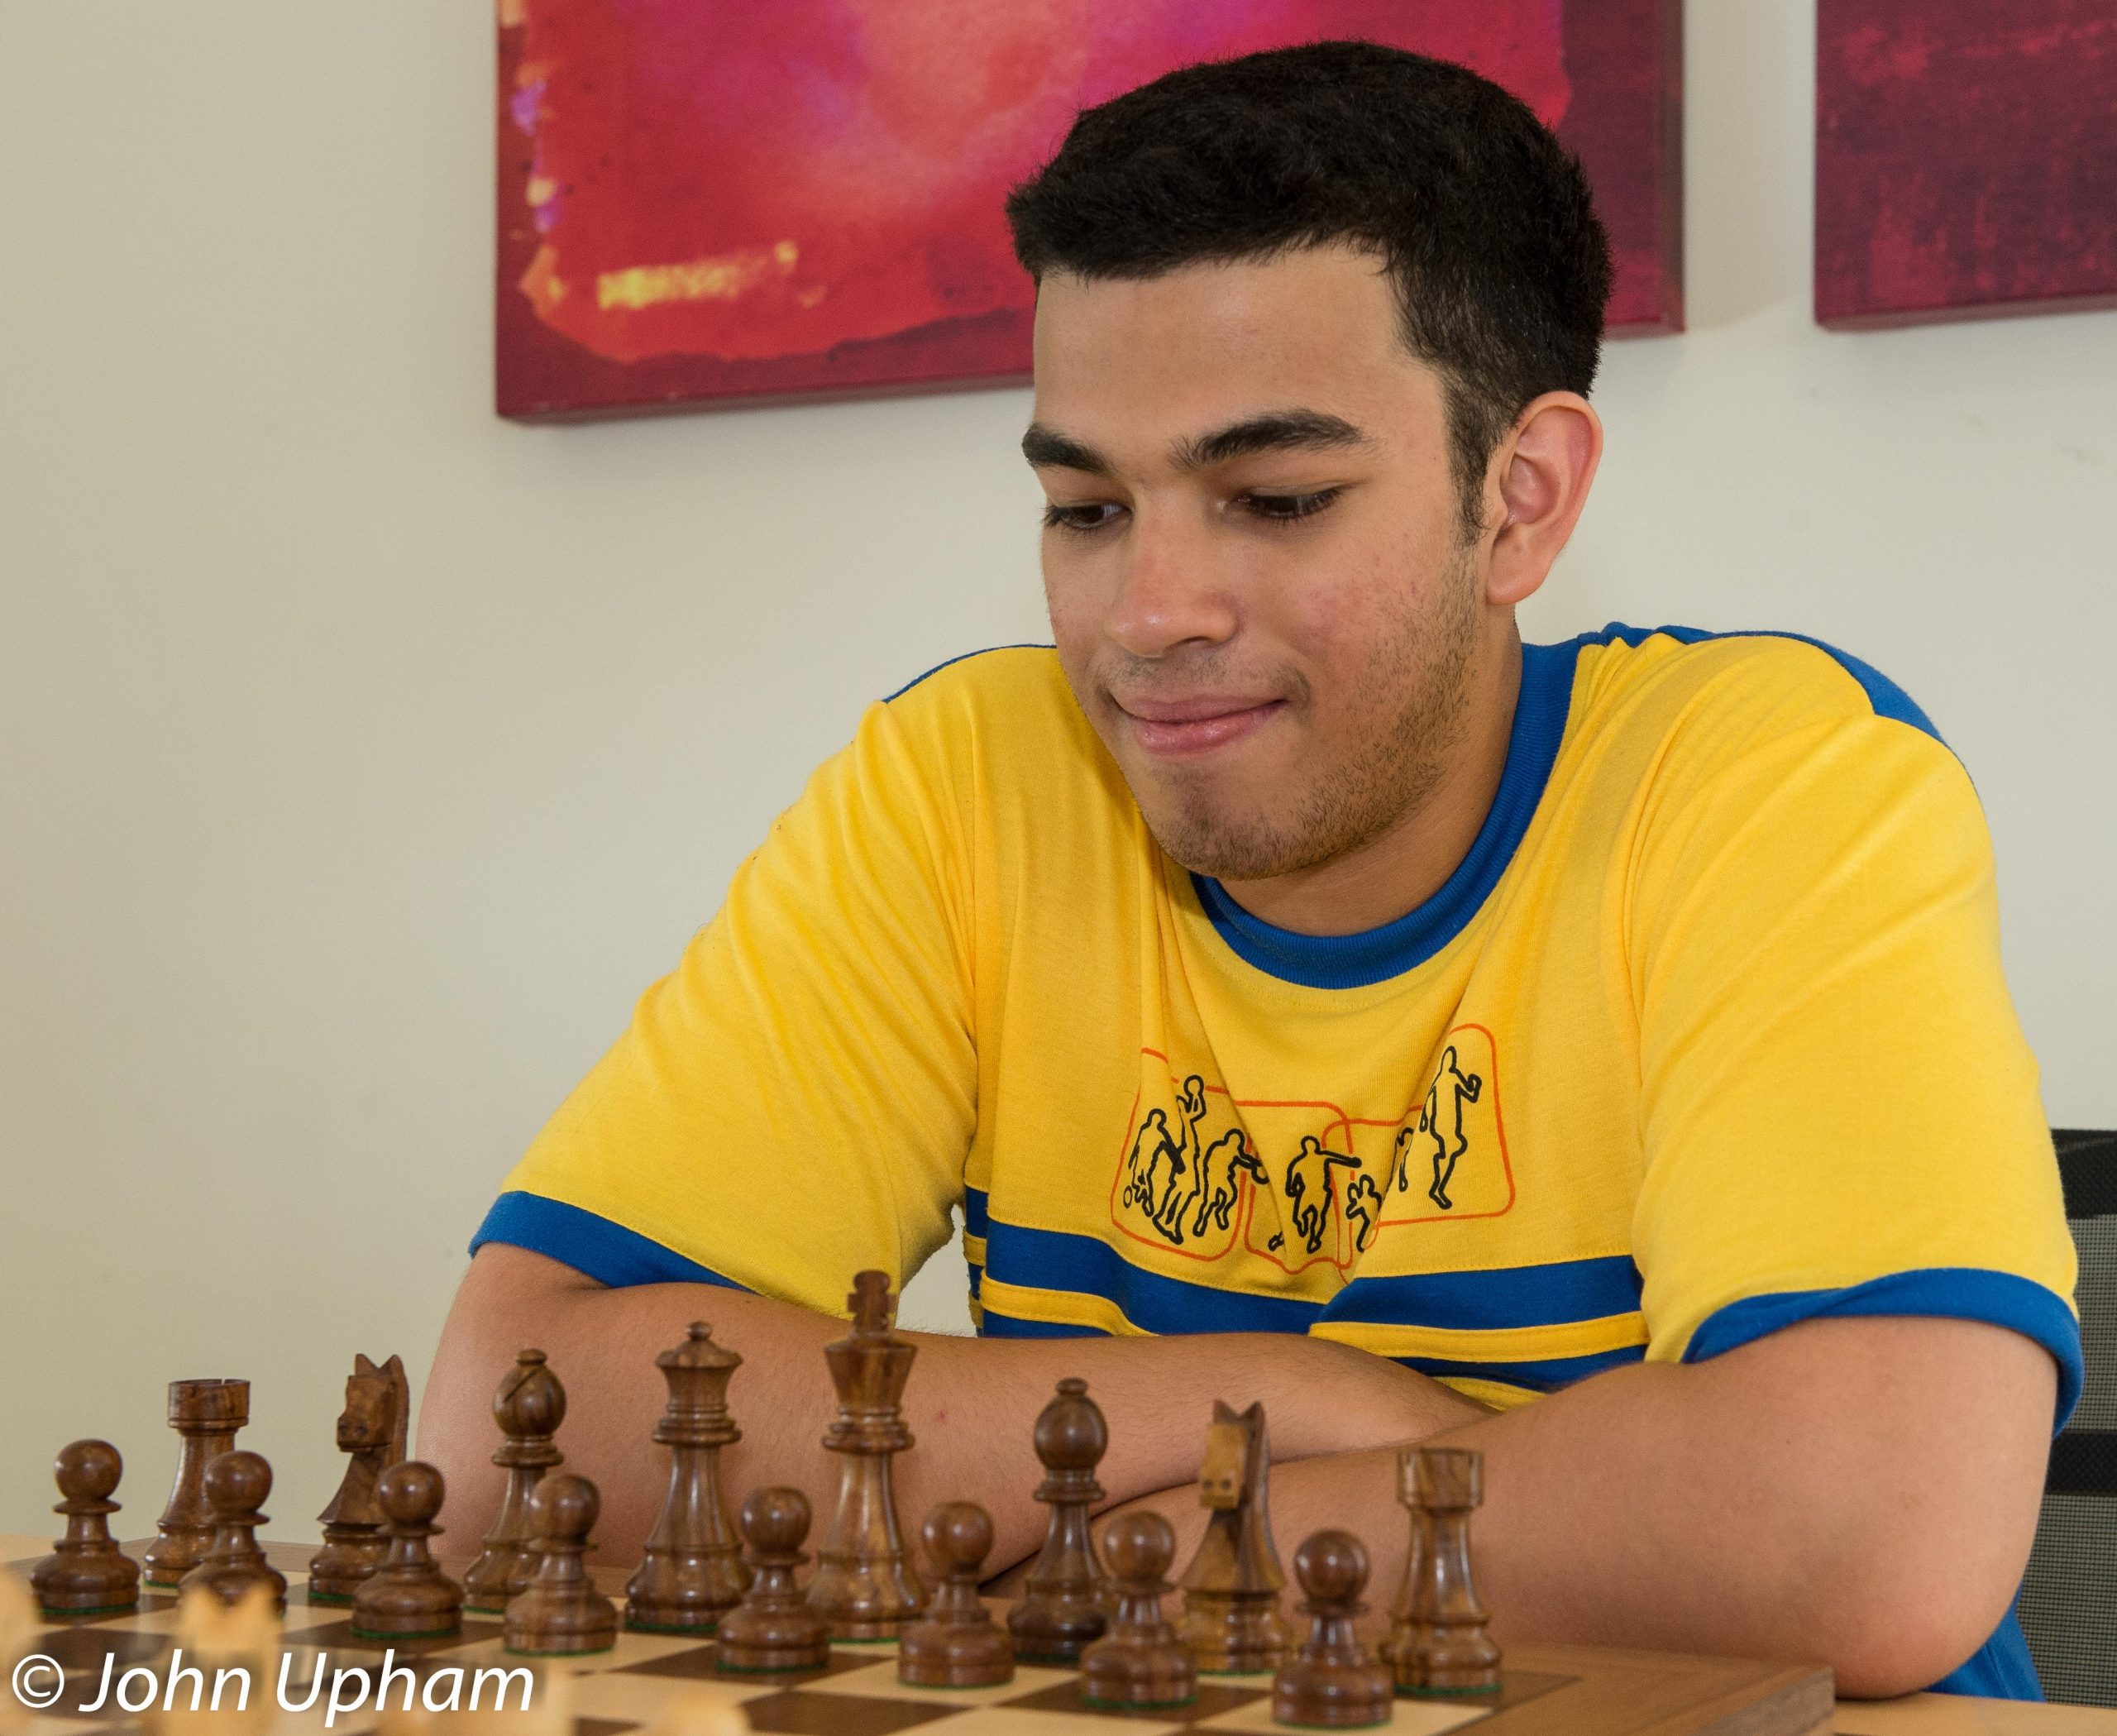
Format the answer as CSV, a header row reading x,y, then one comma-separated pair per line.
x,y
1401,746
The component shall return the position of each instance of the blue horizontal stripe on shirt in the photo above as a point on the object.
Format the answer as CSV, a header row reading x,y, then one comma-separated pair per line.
x,y
1546,1374
594,1247
1013,1326
1054,1259
1953,1293
1498,1299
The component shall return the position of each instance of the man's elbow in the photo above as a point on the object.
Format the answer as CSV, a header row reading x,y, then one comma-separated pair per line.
x,y
1908,1618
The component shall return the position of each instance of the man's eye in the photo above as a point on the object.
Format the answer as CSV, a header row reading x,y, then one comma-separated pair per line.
x,y
1285,509
1080,518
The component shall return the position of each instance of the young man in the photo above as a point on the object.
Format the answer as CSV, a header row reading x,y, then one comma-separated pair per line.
x,y
1594,1054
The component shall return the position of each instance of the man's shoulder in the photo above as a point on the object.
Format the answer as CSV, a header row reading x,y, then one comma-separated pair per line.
x,y
1737,686
1009,700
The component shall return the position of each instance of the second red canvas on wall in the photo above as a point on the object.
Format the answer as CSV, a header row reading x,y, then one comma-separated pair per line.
x,y
1966,157
704,201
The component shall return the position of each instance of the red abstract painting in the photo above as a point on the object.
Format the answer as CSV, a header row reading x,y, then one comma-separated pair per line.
x,y
708,201
1966,157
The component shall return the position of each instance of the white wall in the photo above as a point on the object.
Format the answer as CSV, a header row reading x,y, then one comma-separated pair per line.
x,y
362,756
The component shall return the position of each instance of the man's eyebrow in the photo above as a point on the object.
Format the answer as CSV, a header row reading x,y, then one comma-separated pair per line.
x,y
1044,446
1275,431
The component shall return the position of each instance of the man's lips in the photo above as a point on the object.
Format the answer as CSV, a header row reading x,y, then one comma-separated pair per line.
x,y
1173,728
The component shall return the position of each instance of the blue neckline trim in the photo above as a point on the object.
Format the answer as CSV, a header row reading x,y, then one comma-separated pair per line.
x,y
1354,961
959,657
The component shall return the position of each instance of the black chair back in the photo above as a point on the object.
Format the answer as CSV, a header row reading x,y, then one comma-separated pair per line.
x,y
2069,1596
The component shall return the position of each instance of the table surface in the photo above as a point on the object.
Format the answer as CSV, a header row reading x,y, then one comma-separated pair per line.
x,y
1914,1714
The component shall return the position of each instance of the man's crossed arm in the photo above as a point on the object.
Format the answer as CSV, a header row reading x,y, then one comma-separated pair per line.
x,y
1857,1492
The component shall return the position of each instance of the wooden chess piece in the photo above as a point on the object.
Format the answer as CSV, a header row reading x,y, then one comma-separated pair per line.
x,y
86,1574
865,1586
235,1485
215,1637
528,1406
371,1428
1332,1681
1139,1661
692,1568
407,1596
1231,1589
205,1415
561,1613
958,1645
1438,1644
1062,1604
773,1627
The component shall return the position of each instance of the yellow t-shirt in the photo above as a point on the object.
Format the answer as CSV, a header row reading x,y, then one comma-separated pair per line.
x,y
1707,1034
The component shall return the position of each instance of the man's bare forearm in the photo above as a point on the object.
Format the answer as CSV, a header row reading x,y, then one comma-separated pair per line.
x,y
971,1404
1855,1492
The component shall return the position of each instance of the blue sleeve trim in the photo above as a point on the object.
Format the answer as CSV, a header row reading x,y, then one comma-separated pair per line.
x,y
961,657
1883,695
977,1218
1954,1292
594,1247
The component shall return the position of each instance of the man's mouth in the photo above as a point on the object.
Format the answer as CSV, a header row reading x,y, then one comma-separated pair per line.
x,y
1182,728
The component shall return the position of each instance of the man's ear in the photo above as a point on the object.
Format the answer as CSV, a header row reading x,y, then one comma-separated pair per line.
x,y
1539,476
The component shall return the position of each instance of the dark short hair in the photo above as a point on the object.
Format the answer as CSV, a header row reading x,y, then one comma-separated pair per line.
x,y
1482,218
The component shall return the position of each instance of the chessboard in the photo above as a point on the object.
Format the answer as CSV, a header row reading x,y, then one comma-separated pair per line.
x,y
1544,1690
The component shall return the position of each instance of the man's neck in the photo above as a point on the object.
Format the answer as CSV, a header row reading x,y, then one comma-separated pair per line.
x,y
1399,870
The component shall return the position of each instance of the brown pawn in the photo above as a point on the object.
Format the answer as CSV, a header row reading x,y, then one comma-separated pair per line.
x,y
86,1574
561,1612
1438,1645
1062,1606
408,1596
773,1627
205,1415
1332,1681
371,1428
692,1569
528,1406
957,1645
236,1485
1139,1661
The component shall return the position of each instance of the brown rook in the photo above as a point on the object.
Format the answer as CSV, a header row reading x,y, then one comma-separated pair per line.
x,y
205,1415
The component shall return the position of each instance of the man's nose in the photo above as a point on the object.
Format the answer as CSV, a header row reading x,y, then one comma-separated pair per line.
x,y
1171,592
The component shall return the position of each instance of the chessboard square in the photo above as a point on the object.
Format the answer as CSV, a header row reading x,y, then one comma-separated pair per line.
x,y
1407,1718
1213,1699
804,1712
634,1647
338,1636
1006,1720
601,1726
880,1681
638,1698
80,1650
702,1663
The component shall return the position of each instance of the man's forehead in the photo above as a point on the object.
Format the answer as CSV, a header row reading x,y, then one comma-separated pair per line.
x,y
1164,367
